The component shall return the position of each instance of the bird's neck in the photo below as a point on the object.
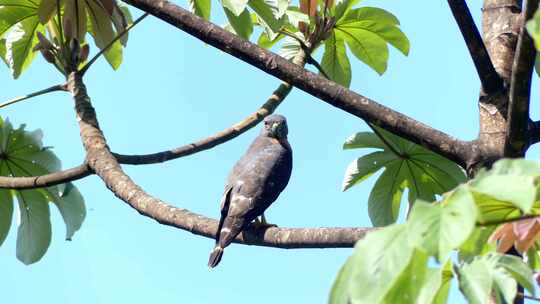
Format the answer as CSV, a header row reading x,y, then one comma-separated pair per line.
x,y
281,141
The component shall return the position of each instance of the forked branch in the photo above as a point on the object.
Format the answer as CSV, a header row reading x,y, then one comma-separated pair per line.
x,y
105,165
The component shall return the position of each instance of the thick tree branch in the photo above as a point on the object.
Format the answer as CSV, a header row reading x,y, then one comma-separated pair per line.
x,y
46,180
105,165
520,88
223,136
328,91
491,81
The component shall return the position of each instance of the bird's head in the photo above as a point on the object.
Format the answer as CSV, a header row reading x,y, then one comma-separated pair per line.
x,y
275,126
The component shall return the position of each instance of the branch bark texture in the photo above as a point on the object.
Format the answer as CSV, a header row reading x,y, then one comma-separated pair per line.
x,y
328,91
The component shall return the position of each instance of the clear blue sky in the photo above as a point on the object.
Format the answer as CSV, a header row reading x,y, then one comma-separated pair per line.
x,y
171,90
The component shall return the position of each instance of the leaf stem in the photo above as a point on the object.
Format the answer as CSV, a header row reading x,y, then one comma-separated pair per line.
x,y
108,46
508,220
381,137
58,87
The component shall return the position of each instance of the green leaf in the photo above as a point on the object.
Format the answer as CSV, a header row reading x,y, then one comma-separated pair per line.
x,y
289,48
477,278
519,271
533,27
369,14
447,275
417,283
406,165
366,46
269,15
6,213
201,8
363,167
340,289
295,16
475,281
367,31
379,22
241,24
506,191
265,42
237,7
442,227
363,140
20,41
46,10
342,7
385,197
11,14
382,256
101,29
70,203
24,155
335,62
34,233
477,243
518,190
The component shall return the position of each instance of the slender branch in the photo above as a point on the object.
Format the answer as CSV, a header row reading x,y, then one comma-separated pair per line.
x,y
490,79
58,87
85,68
46,180
524,296
105,165
508,220
221,137
520,88
318,86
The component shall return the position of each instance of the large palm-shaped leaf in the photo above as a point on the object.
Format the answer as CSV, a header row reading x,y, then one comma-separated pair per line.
x,y
406,166
22,154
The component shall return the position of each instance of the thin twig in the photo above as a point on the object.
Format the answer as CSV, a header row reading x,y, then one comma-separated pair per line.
x,y
508,220
58,87
108,46
522,295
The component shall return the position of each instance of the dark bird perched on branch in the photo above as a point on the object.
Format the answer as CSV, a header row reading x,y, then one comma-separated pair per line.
x,y
255,183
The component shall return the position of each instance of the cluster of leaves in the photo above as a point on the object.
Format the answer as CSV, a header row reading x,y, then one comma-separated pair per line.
x,y
533,27
366,31
22,154
26,24
462,221
406,166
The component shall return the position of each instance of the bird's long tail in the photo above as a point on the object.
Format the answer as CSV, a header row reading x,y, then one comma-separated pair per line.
x,y
215,257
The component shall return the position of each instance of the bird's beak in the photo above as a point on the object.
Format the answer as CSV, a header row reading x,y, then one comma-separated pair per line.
x,y
274,128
